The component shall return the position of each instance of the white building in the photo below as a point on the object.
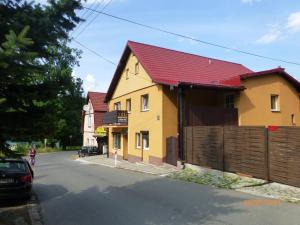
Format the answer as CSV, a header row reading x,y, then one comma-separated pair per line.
x,y
92,117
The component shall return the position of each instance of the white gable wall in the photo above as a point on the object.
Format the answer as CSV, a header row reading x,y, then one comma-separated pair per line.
x,y
88,127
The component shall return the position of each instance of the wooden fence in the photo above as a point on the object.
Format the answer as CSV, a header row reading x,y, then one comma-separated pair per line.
x,y
271,154
284,155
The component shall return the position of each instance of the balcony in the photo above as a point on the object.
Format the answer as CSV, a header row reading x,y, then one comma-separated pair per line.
x,y
116,118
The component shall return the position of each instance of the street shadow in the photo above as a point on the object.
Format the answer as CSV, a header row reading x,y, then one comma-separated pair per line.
x,y
153,202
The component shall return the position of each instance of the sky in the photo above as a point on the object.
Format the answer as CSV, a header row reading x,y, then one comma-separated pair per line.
x,y
265,27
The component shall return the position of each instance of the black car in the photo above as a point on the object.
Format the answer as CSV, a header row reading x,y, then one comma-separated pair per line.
x,y
88,150
16,178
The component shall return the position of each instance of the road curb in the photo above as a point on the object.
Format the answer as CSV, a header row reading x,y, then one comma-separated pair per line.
x,y
34,211
124,168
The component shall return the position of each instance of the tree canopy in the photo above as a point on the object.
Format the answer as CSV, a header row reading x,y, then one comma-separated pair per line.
x,y
37,89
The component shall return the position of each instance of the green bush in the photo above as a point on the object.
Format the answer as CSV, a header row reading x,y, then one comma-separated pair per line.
x,y
73,148
21,150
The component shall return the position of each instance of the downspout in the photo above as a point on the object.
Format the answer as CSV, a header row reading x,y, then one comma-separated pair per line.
x,y
181,122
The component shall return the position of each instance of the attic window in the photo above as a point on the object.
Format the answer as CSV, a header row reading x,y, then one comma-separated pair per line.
x,y
136,69
127,74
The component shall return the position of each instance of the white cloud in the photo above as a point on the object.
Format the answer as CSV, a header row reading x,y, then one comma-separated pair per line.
x,y
73,74
89,83
271,36
189,41
279,31
294,21
250,1
93,83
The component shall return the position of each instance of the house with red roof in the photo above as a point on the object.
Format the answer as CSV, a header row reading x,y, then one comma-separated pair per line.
x,y
155,92
92,117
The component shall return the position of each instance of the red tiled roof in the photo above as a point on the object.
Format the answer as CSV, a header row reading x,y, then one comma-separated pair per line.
x,y
278,70
97,100
170,67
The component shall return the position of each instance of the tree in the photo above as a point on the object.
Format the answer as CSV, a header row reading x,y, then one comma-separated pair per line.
x,y
69,114
35,66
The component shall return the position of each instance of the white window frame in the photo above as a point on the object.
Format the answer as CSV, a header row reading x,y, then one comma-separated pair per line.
x,y
144,107
115,136
117,105
138,140
128,105
143,140
277,106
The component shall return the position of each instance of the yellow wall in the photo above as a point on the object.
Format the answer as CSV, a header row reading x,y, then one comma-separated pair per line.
x,y
134,87
134,82
170,116
254,103
161,121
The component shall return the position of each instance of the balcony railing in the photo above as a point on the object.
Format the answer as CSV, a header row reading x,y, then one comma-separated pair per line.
x,y
117,117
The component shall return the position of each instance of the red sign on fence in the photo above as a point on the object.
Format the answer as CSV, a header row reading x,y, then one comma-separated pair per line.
x,y
272,128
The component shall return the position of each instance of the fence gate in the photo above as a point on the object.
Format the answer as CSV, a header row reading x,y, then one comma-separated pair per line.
x,y
172,150
284,155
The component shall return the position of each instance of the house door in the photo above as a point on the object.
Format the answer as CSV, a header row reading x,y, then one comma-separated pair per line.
x,y
125,146
145,145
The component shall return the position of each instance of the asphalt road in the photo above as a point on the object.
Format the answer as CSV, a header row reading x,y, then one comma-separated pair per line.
x,y
83,194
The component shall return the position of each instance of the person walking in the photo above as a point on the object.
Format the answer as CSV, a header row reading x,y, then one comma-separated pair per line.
x,y
32,154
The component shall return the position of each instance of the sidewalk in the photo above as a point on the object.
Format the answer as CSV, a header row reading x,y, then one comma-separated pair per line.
x,y
163,170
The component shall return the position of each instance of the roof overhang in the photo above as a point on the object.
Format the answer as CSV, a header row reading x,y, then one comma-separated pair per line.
x,y
280,71
212,86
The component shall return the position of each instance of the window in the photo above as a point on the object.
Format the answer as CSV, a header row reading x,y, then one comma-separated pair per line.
x,y
229,101
138,140
136,69
117,140
274,103
293,119
145,102
127,74
145,137
89,120
128,105
117,106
